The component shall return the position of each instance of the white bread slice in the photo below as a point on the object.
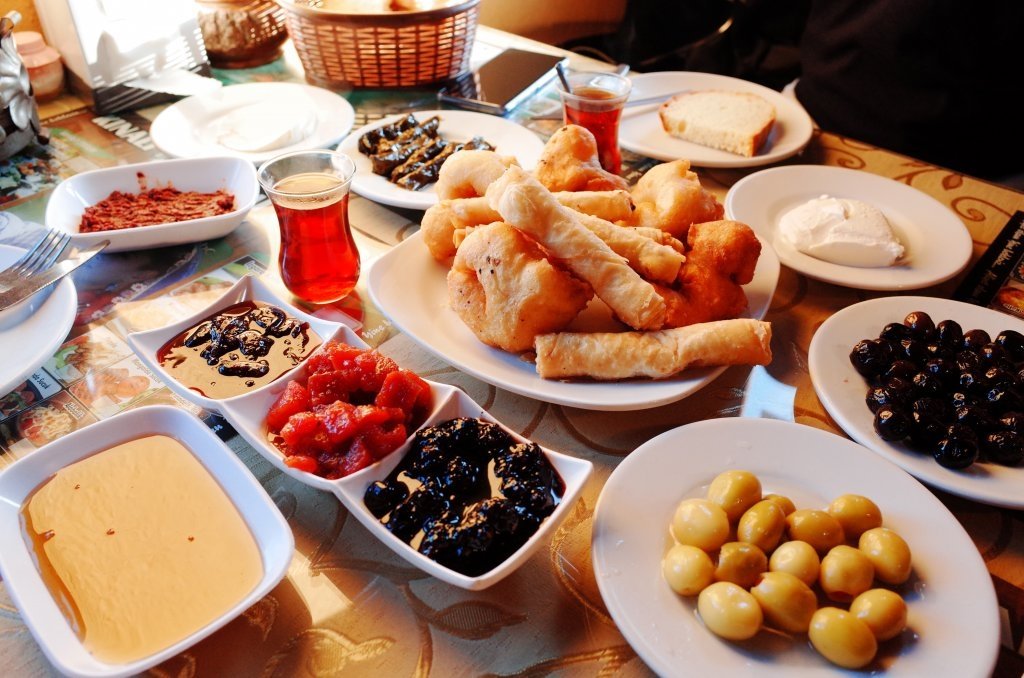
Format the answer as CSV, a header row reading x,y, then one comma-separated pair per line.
x,y
738,122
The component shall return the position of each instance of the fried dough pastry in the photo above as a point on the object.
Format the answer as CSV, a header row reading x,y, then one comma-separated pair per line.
x,y
622,355
652,260
669,196
467,174
721,257
442,221
507,292
524,203
569,163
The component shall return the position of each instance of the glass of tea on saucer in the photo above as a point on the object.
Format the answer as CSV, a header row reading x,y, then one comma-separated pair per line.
x,y
309,190
595,102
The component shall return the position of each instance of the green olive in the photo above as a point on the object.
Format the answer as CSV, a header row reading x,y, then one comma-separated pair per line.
x,y
687,569
729,611
785,503
741,564
882,610
799,559
857,514
698,522
817,528
787,603
845,573
842,638
889,554
735,492
762,525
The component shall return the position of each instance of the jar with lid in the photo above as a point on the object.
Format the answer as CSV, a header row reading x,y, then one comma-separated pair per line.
x,y
45,70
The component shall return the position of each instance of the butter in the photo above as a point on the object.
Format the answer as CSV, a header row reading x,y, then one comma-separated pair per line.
x,y
841,231
140,547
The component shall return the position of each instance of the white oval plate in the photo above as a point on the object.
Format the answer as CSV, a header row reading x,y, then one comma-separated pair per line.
x,y
422,312
182,130
31,337
72,196
248,415
841,390
507,137
938,245
640,129
43,617
953,616
248,288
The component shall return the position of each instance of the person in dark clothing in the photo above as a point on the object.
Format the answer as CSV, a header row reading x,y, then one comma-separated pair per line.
x,y
938,80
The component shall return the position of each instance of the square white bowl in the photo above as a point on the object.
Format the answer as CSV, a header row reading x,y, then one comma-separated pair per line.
x,y
73,195
248,288
248,415
21,577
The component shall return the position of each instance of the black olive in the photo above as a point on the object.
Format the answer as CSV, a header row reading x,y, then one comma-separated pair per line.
x,y
1013,421
935,407
976,417
937,350
894,332
900,390
966,360
961,432
944,369
384,495
1012,342
991,352
972,381
1001,399
925,431
1001,377
877,397
891,424
1004,447
956,453
869,357
958,399
904,369
927,384
920,324
975,339
913,350
949,333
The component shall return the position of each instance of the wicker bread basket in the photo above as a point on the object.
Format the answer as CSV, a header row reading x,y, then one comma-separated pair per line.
x,y
387,49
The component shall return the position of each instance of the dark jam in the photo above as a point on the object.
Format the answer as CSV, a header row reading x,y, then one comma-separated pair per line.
x,y
240,348
467,494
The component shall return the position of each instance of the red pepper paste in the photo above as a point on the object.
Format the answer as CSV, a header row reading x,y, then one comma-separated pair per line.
x,y
162,205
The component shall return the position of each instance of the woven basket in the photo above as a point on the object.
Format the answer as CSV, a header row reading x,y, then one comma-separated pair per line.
x,y
396,49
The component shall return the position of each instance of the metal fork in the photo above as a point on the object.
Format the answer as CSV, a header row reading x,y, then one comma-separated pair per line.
x,y
39,258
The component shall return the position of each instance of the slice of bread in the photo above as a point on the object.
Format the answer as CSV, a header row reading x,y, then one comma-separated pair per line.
x,y
738,122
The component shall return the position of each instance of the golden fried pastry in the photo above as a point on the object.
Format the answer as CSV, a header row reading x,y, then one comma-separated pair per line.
x,y
622,355
507,292
524,203
652,260
441,222
669,196
721,257
467,174
569,162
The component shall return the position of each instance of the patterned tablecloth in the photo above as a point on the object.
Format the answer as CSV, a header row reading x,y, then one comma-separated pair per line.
x,y
348,604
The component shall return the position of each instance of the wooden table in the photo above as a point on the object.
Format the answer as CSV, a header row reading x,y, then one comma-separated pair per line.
x,y
351,606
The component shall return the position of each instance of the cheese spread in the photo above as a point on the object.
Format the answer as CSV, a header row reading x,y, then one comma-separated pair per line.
x,y
841,231
140,547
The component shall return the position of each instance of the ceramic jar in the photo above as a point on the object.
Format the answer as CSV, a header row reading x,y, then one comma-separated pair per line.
x,y
45,69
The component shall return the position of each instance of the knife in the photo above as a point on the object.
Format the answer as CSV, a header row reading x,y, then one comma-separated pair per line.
x,y
24,289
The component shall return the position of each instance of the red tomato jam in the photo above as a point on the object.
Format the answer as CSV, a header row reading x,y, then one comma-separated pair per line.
x,y
353,408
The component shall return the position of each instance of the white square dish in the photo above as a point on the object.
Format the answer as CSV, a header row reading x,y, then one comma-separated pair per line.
x,y
248,288
24,583
73,195
248,413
